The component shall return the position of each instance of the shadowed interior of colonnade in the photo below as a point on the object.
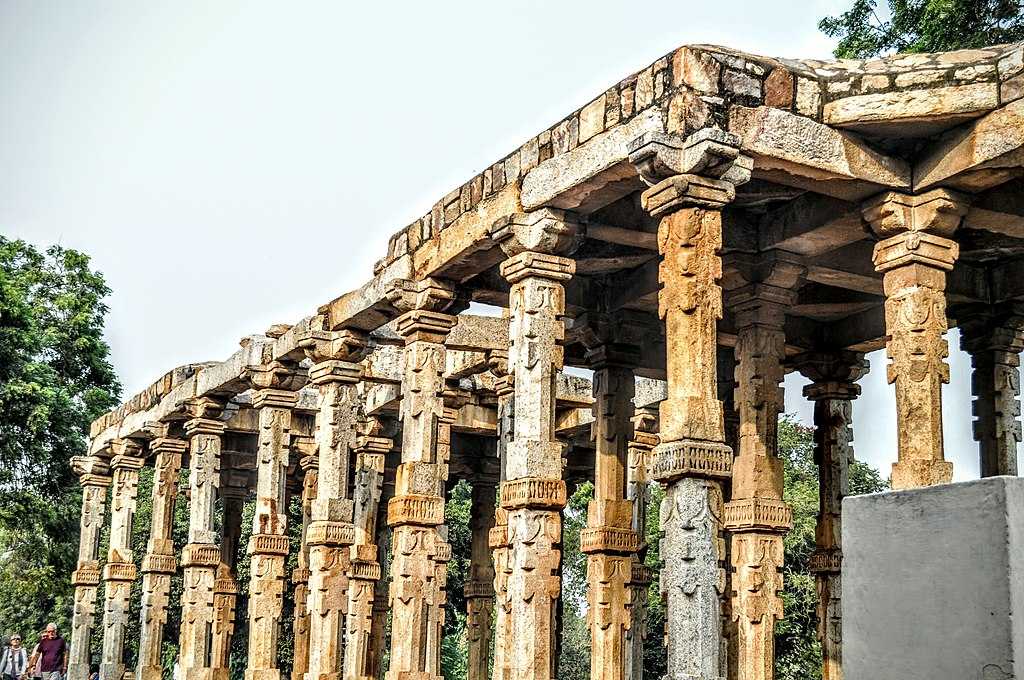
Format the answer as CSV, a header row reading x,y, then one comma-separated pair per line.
x,y
689,237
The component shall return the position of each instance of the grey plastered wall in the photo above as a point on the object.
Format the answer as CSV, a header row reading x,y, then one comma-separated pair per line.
x,y
933,583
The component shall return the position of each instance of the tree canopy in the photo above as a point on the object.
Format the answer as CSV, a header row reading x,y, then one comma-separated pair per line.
x,y
55,378
923,26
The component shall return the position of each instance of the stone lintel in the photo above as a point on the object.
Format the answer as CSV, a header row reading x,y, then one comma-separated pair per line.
x,y
691,458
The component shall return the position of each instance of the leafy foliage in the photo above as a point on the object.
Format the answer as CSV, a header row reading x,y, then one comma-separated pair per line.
x,y
55,378
924,26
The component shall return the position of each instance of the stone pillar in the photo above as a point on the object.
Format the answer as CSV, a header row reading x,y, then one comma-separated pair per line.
x,y
914,255
365,570
336,374
533,492
308,463
497,540
479,588
756,517
274,397
93,475
645,422
832,390
609,540
416,513
994,342
120,571
225,587
201,555
159,564
691,181
378,628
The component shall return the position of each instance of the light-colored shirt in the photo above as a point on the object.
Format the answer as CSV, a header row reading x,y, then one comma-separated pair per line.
x,y
14,661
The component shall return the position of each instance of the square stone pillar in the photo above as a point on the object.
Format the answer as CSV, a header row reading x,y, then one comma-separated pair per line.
x,y
370,449
305,448
120,571
416,513
914,255
832,389
533,492
159,565
645,439
201,555
691,181
479,588
94,476
336,373
497,536
933,582
274,397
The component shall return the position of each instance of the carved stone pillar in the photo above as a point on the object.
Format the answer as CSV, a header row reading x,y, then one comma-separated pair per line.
x,y
914,255
370,449
533,492
308,463
336,374
994,342
756,517
93,475
120,571
225,587
201,555
691,181
378,628
609,540
497,539
274,397
159,564
832,390
479,588
416,513
645,422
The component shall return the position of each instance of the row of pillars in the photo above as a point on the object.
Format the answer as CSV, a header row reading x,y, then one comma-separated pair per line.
x,y
723,517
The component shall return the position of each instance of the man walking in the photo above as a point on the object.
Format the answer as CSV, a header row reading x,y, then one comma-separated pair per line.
x,y
14,660
52,653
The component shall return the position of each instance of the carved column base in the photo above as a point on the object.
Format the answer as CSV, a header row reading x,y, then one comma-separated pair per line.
x,y
912,474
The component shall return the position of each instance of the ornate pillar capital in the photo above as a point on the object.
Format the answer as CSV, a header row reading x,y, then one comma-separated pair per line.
x,y
937,212
92,470
833,375
547,231
700,171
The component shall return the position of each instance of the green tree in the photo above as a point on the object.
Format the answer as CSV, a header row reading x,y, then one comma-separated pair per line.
x,y
55,378
923,26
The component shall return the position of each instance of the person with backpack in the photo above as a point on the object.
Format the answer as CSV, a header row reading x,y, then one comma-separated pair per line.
x,y
14,661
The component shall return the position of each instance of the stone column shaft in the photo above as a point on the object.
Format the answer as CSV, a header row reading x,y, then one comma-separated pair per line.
x,y
225,587
159,564
300,577
378,628
93,475
268,547
370,449
201,555
638,493
416,513
913,257
120,570
479,588
330,532
497,539
609,540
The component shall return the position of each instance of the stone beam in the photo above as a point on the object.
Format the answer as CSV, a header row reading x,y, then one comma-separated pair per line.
x,y
1000,210
811,225
978,156
796,151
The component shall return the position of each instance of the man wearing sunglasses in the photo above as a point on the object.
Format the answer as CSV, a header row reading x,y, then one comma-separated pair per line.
x,y
14,660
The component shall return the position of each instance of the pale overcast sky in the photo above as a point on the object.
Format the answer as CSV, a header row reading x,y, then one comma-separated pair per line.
x,y
230,165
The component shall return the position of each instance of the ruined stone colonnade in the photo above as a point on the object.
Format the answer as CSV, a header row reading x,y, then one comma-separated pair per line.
x,y
689,236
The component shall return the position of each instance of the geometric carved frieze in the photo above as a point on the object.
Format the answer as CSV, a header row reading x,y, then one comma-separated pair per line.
x,y
119,571
268,544
640,574
416,509
159,564
300,575
497,537
321,532
758,513
533,492
691,458
87,574
826,561
200,555
609,540
474,589
365,571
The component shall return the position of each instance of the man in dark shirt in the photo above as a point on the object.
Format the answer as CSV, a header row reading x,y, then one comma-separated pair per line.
x,y
52,653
